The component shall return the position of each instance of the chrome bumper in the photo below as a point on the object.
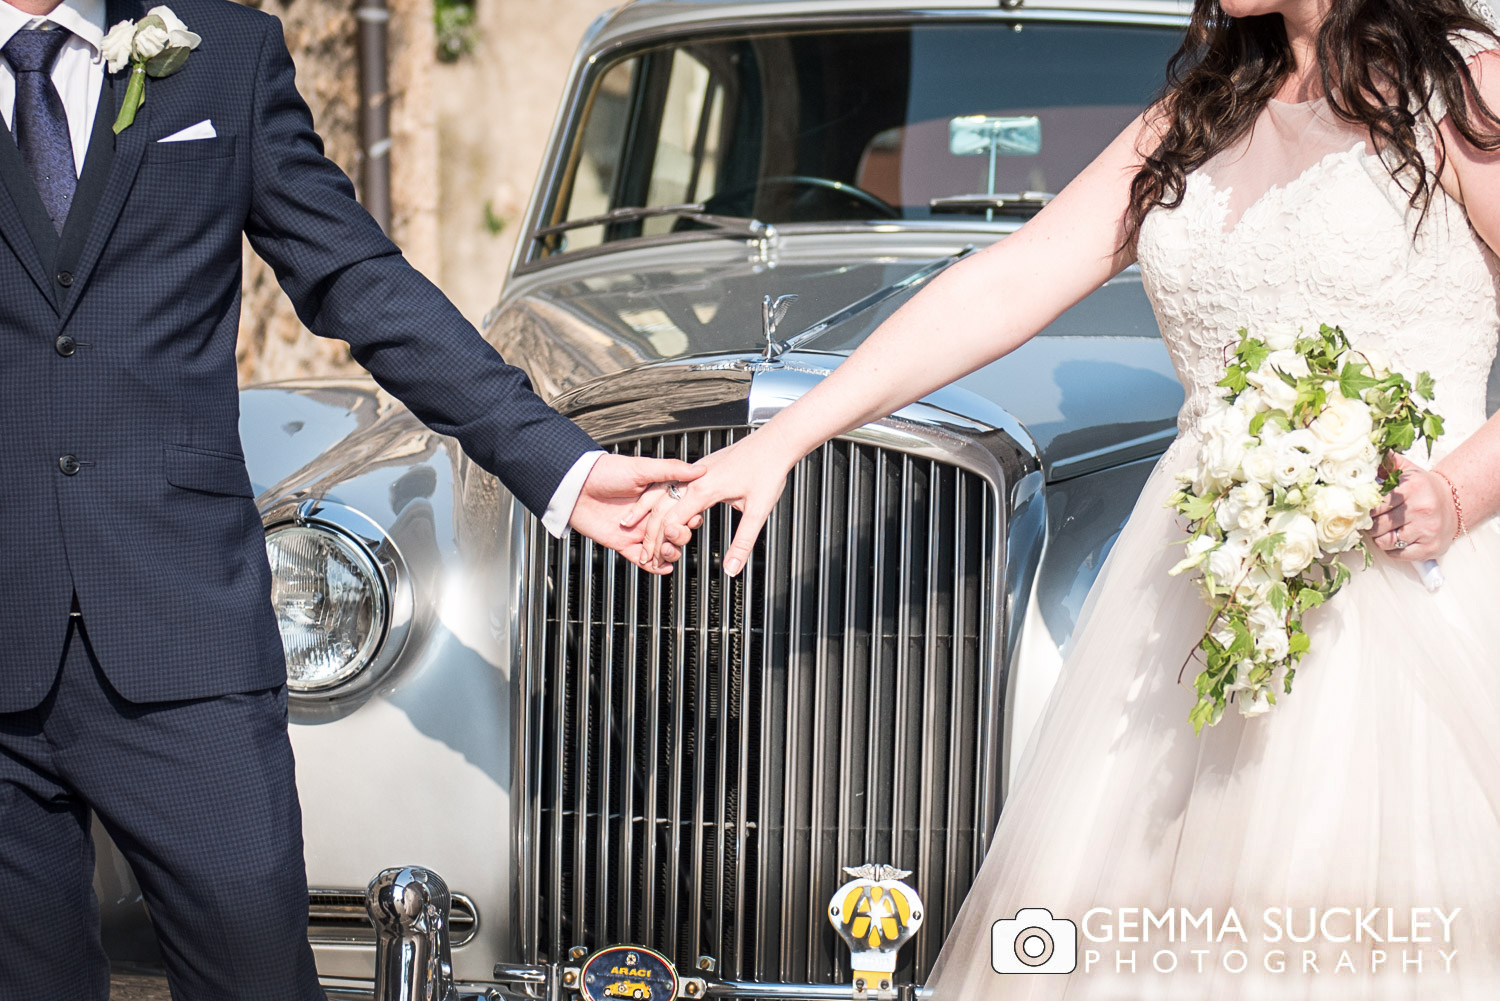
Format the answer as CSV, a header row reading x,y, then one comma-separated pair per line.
x,y
409,907
545,983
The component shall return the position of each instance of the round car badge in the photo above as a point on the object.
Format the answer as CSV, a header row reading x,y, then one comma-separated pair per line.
x,y
627,971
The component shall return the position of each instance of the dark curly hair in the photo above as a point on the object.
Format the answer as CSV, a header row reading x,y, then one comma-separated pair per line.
x,y
1381,62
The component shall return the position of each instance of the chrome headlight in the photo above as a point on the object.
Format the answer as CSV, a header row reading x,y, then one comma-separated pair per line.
x,y
331,604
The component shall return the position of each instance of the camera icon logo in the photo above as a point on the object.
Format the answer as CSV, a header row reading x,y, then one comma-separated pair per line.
x,y
1034,942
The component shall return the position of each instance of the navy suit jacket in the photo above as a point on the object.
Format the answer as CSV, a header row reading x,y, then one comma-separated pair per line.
x,y
118,351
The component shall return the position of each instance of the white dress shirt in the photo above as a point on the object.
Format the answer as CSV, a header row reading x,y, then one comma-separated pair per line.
x,y
78,75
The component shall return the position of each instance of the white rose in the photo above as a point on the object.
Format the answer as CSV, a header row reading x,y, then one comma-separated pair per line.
x,y
1256,706
1367,496
1218,465
1251,402
1223,420
1343,427
1253,504
179,37
1279,337
1299,545
171,20
1287,361
1226,565
1338,518
1224,636
1259,465
150,40
1196,550
1274,643
117,45
1373,348
1279,396
1347,473
1258,583
1241,682
1297,454
1262,617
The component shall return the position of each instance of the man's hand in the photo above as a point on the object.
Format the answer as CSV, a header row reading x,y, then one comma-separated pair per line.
x,y
614,486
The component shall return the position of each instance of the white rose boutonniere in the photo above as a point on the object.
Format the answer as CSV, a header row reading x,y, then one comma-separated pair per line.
x,y
156,45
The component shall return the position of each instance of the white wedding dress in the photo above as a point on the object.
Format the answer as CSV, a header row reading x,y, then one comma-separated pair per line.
x,y
1376,783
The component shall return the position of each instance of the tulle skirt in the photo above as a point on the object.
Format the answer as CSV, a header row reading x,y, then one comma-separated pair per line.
x,y
1317,852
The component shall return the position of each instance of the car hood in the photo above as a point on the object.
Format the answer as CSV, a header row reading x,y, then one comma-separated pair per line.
x,y
1095,388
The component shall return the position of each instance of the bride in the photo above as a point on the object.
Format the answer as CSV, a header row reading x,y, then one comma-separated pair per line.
x,y
1312,161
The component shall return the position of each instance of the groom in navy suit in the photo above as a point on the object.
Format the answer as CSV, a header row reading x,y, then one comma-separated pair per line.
x,y
143,680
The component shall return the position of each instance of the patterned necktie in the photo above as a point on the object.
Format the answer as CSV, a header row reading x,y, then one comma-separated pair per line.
x,y
40,124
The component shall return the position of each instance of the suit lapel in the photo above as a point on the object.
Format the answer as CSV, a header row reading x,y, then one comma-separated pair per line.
x,y
23,217
114,188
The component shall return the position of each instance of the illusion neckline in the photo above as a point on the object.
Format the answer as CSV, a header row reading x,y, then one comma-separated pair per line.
x,y
1322,98
1221,195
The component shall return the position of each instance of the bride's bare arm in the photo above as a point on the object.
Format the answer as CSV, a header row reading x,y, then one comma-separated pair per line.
x,y
975,312
1422,508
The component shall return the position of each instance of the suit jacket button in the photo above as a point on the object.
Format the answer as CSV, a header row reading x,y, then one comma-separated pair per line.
x,y
66,345
69,465
65,278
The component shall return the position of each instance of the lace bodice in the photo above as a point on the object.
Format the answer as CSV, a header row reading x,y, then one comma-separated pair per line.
x,y
1334,244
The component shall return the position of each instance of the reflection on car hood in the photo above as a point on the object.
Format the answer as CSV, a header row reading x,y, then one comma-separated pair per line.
x,y
1096,381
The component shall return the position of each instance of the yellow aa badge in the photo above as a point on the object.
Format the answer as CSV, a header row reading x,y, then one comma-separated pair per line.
x,y
875,914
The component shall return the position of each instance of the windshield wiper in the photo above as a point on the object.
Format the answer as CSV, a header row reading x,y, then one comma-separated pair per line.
x,y
724,225
1024,203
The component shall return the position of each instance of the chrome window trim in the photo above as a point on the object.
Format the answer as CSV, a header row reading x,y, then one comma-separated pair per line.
x,y
366,535
587,68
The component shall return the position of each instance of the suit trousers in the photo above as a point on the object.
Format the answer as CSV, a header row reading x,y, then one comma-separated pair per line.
x,y
199,795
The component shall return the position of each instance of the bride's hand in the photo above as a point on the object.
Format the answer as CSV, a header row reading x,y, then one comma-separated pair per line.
x,y
1419,512
749,475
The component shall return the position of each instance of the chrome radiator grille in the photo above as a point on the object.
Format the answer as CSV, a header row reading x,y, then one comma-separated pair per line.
x,y
700,755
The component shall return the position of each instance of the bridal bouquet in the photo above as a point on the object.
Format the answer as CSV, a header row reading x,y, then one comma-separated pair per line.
x,y
1292,461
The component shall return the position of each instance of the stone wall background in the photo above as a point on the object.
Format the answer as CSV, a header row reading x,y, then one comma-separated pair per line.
x,y
467,141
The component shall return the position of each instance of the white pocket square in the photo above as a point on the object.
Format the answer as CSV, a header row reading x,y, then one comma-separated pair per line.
x,y
203,130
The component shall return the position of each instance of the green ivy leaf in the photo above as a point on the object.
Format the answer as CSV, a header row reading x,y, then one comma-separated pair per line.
x,y
1400,435
1353,381
1252,353
1265,547
1234,379
1308,597
1197,508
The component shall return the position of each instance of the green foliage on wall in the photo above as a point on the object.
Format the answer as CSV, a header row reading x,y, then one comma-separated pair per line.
x,y
455,28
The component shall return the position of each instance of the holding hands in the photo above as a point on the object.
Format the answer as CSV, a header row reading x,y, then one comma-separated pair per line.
x,y
619,484
748,475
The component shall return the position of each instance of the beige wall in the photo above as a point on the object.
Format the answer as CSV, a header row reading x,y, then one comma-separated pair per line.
x,y
495,111
465,134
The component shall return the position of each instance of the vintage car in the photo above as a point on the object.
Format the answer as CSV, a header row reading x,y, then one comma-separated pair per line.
x,y
736,192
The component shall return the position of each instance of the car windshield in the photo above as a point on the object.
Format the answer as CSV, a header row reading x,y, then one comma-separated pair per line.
x,y
907,122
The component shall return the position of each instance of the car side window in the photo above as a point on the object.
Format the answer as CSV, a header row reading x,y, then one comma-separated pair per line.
x,y
595,161
686,166
651,136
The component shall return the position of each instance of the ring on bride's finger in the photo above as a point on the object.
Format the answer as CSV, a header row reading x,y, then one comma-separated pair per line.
x,y
674,491
1400,542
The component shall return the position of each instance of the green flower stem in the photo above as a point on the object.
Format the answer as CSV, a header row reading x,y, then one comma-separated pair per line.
x,y
135,96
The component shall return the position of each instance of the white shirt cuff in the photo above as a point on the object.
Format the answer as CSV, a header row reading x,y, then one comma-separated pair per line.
x,y
565,497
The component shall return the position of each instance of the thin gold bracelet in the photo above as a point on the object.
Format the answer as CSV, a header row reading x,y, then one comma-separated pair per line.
x,y
1458,507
